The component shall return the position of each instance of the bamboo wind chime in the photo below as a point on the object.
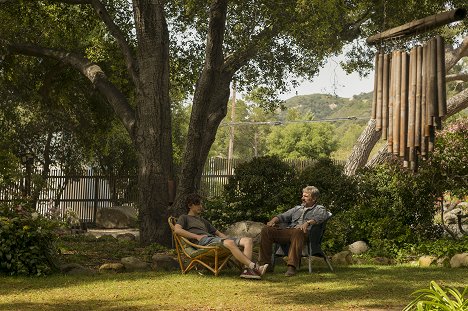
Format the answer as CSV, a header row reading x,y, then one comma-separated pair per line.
x,y
410,99
409,89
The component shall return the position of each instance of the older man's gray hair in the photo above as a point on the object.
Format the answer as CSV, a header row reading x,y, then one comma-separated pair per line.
x,y
313,191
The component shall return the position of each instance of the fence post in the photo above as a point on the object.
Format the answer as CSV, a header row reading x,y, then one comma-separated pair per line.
x,y
96,195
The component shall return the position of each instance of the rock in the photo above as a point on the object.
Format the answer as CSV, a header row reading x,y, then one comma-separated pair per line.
x,y
117,217
134,264
358,247
76,269
163,262
343,258
426,261
459,260
382,261
126,237
250,229
443,262
112,267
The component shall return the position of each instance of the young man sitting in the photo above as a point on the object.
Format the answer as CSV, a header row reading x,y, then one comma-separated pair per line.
x,y
198,230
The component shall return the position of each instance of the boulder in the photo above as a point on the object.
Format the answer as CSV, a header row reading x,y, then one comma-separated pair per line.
x,y
76,269
117,217
250,229
163,262
343,258
112,267
443,262
426,261
126,237
358,247
459,260
134,264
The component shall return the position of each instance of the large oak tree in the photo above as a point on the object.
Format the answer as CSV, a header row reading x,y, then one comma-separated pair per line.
x,y
195,46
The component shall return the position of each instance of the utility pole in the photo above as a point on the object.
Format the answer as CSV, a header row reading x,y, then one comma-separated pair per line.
x,y
231,130
231,127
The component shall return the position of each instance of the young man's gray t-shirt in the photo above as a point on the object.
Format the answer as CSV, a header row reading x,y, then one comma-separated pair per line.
x,y
196,225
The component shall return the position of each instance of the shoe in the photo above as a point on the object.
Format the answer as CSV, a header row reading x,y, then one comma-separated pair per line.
x,y
261,270
291,271
250,274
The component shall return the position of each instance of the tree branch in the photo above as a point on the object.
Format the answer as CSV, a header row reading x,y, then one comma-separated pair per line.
x,y
91,71
452,56
215,38
116,32
456,77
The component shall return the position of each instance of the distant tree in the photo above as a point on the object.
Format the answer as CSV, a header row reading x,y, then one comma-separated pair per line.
x,y
302,139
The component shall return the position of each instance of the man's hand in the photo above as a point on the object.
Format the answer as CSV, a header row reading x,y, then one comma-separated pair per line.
x,y
304,227
271,223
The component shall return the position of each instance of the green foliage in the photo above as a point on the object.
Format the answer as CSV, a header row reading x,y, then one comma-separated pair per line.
x,y
302,140
260,189
439,298
26,241
443,247
448,164
394,206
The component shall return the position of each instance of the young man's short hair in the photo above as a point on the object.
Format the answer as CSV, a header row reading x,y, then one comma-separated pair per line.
x,y
193,199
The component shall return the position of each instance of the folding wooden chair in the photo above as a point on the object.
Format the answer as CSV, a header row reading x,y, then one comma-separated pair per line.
x,y
313,248
212,257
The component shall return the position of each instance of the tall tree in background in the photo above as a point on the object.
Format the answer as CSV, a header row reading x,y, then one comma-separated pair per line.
x,y
195,46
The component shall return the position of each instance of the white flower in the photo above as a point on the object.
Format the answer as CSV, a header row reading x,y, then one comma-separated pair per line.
x,y
34,215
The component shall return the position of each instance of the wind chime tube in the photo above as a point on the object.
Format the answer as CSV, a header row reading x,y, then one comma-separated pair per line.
x,y
378,117
412,97
433,95
385,95
390,104
423,143
404,104
376,73
441,91
417,121
396,106
412,105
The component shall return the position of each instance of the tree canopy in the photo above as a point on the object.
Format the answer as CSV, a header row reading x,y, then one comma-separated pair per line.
x,y
138,58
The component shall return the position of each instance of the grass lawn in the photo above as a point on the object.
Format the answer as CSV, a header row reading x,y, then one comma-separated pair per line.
x,y
349,288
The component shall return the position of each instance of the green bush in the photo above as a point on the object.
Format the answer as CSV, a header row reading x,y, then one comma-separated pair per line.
x,y
26,241
394,207
260,189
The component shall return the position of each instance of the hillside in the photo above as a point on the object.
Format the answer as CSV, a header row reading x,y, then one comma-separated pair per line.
x,y
324,106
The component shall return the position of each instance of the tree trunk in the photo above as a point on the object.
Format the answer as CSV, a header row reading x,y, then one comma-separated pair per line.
x,y
209,107
152,133
363,147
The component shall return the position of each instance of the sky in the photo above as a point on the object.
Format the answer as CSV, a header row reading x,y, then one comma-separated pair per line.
x,y
332,79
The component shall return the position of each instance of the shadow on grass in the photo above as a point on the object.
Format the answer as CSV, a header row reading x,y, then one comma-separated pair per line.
x,y
349,288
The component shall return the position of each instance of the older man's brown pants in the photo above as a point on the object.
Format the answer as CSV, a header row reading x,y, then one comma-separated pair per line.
x,y
292,236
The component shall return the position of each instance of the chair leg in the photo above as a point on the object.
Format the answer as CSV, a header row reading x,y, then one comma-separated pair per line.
x,y
328,263
310,263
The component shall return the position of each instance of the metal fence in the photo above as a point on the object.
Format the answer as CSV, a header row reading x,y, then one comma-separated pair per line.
x,y
84,194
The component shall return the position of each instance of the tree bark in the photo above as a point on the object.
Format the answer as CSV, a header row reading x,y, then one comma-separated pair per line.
x,y
208,109
366,142
152,136
361,150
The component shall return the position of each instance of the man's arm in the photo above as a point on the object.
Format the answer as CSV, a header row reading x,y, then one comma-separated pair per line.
x,y
186,234
273,221
220,234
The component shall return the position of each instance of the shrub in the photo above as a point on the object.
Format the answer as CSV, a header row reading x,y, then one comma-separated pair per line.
x,y
260,189
26,241
394,207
